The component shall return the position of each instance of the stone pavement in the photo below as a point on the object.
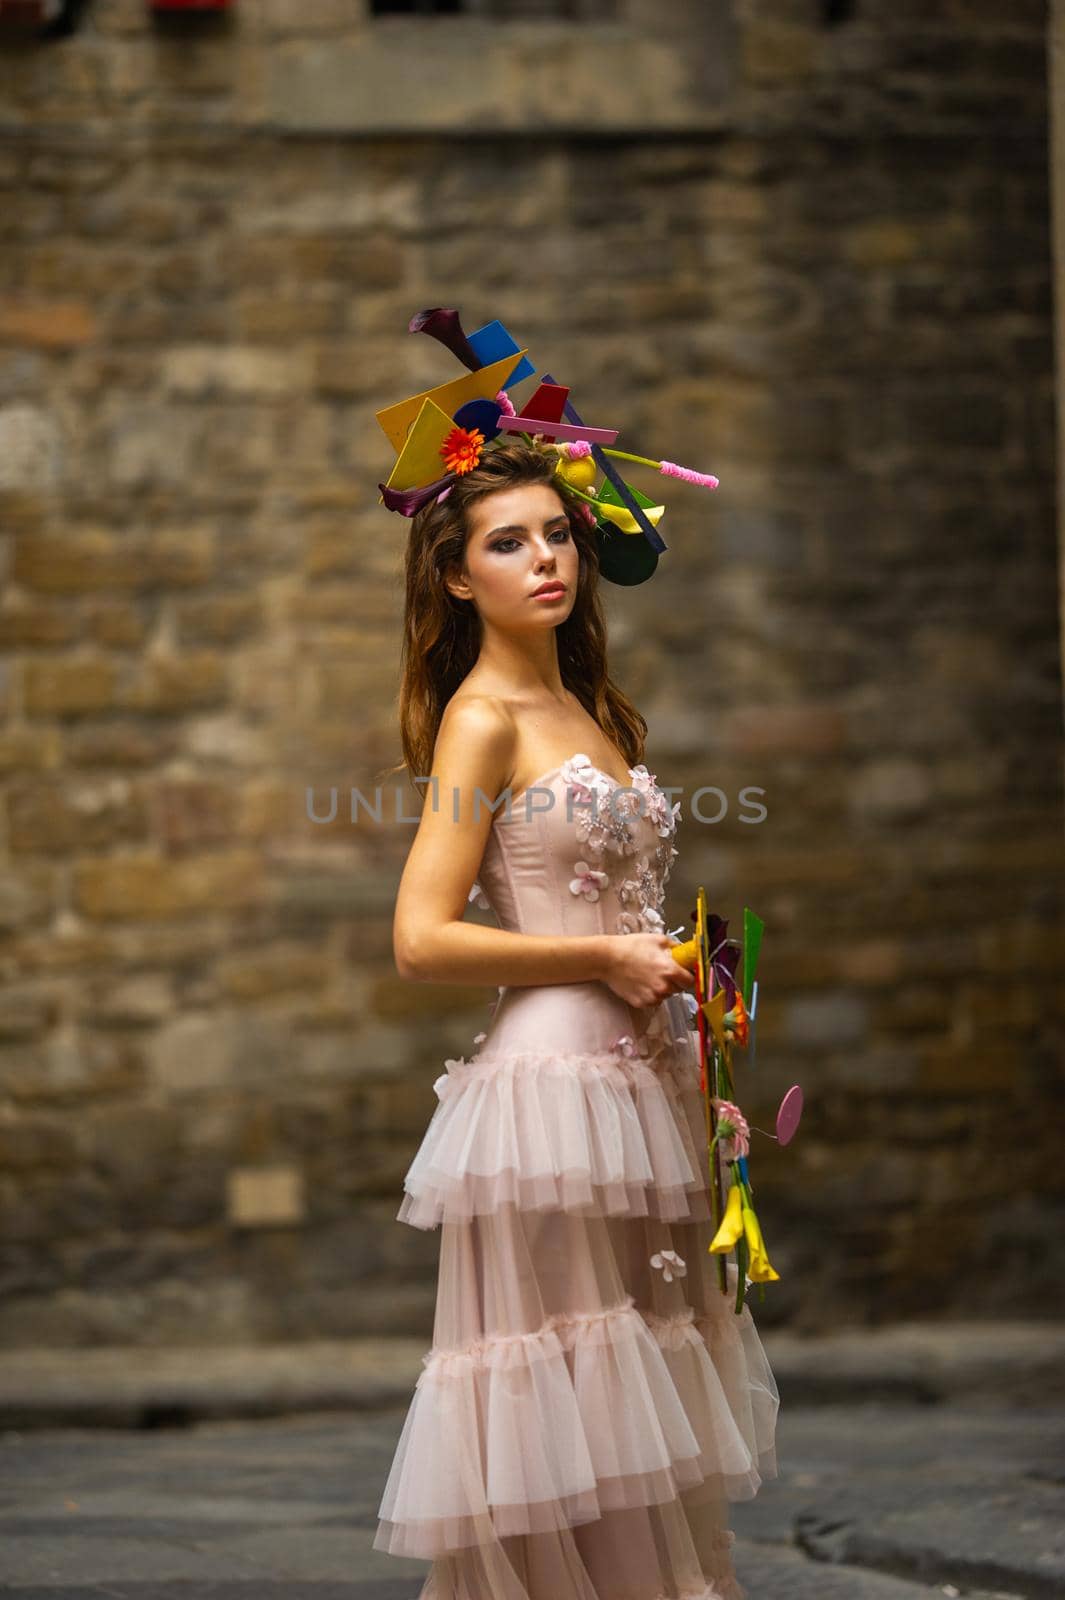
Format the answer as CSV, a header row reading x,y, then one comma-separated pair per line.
x,y
949,1481
145,1386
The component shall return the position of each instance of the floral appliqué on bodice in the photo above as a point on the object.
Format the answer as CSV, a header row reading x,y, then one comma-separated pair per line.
x,y
613,848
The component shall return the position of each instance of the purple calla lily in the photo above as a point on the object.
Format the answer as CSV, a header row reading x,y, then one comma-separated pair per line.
x,y
408,501
443,323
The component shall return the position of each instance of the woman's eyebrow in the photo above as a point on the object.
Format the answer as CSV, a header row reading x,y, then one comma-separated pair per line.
x,y
519,527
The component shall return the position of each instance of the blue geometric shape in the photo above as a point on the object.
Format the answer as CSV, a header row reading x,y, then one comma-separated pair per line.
x,y
492,343
483,414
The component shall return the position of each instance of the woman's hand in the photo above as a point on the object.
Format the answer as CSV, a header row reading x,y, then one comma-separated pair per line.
x,y
641,969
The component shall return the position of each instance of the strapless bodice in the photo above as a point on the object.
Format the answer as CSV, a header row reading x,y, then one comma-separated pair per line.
x,y
579,853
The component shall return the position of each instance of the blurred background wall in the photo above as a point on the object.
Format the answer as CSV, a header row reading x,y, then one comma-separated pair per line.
x,y
803,244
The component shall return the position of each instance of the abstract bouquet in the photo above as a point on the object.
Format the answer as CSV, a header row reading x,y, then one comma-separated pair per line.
x,y
725,1016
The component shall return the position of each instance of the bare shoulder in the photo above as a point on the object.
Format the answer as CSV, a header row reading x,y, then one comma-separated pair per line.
x,y
478,734
486,718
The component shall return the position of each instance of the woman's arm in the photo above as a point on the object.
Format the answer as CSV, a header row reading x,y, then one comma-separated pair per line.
x,y
475,750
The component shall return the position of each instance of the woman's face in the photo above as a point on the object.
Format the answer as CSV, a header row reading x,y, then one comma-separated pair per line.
x,y
519,540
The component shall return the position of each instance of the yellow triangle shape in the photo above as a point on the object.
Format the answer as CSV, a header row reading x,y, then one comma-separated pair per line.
x,y
420,460
484,384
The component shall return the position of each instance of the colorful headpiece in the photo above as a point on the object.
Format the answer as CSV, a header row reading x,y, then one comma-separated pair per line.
x,y
442,434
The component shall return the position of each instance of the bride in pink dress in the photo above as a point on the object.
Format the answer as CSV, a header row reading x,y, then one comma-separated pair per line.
x,y
591,1401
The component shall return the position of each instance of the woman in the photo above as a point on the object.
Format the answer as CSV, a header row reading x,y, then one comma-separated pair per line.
x,y
591,1400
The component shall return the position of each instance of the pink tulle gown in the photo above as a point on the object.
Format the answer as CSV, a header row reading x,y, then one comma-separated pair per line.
x,y
591,1402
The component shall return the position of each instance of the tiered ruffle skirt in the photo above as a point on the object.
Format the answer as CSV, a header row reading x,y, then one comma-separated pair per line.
x,y
580,1423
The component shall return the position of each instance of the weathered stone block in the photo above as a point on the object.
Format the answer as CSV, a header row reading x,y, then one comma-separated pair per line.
x,y
73,686
31,456
148,885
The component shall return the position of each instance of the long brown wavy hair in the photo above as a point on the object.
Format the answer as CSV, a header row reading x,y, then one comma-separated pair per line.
x,y
442,633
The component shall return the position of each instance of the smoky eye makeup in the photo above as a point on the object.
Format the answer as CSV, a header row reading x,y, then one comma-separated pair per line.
x,y
509,543
496,541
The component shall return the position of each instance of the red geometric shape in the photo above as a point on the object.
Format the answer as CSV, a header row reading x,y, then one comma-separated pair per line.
x,y
546,405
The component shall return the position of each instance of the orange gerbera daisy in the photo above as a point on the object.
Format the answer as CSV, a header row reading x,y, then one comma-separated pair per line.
x,y
462,449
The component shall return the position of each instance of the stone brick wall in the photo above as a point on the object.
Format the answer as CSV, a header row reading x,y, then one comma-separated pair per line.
x,y
804,246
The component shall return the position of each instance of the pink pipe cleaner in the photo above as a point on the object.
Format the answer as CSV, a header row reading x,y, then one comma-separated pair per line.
x,y
503,401
577,449
705,480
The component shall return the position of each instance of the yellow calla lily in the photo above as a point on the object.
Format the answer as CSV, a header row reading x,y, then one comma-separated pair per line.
x,y
731,1223
714,1012
624,519
759,1270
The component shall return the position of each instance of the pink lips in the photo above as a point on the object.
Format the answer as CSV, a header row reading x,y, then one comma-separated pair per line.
x,y
551,591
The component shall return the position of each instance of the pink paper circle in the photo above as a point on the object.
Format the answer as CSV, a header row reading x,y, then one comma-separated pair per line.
x,y
789,1114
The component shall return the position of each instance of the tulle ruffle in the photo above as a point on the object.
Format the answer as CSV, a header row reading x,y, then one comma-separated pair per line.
x,y
491,1574
589,1414
600,1133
